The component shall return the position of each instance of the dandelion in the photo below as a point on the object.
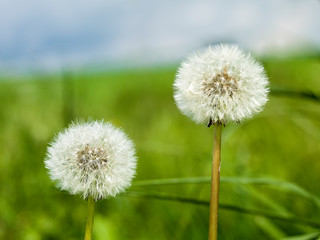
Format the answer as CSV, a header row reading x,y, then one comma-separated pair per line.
x,y
219,85
216,86
94,159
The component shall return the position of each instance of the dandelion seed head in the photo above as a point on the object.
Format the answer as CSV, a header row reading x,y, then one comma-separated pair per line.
x,y
220,84
93,158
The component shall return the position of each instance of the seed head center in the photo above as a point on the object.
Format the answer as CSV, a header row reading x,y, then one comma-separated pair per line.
x,y
221,84
91,158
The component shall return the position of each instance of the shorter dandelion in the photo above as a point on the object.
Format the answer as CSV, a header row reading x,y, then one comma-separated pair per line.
x,y
214,87
93,159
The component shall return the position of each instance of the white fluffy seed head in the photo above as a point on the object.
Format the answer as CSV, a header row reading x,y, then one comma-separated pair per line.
x,y
93,158
219,85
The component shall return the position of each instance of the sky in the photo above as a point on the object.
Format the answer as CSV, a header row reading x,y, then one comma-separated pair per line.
x,y
53,35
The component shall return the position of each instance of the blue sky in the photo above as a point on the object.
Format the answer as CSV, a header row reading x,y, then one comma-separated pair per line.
x,y
53,35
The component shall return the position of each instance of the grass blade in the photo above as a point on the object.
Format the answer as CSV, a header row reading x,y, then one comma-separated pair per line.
x,y
310,236
294,93
283,185
169,181
257,212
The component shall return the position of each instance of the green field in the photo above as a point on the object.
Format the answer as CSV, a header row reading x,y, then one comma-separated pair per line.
x,y
281,143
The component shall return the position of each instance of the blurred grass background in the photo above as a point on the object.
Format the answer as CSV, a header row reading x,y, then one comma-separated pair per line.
x,y
282,142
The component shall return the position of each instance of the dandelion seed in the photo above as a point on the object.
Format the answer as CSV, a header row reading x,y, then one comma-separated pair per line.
x,y
221,84
92,159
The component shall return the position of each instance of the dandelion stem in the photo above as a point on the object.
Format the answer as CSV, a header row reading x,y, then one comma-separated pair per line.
x,y
90,217
215,181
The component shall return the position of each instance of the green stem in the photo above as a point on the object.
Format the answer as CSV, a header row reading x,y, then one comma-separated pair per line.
x,y
90,217
215,181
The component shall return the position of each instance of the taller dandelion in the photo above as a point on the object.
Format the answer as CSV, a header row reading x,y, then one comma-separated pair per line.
x,y
214,87
93,159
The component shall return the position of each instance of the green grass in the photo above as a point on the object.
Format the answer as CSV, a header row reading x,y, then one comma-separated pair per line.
x,y
272,161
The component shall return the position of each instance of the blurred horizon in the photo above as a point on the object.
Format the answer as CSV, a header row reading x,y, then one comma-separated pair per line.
x,y
56,35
